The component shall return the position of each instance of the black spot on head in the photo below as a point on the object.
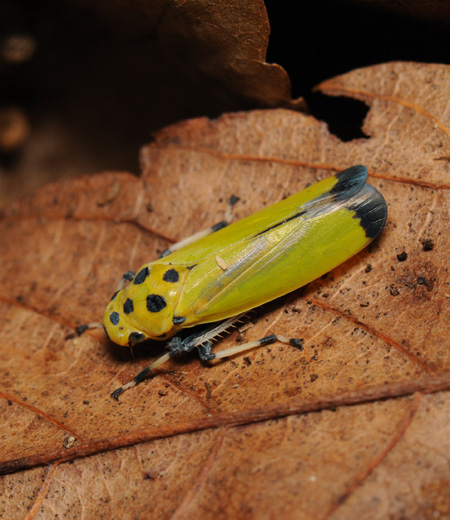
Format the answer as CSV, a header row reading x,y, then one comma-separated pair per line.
x,y
178,320
113,297
128,306
114,318
171,276
155,303
190,267
141,276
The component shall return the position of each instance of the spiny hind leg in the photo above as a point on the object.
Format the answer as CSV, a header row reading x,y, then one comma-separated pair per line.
x,y
200,340
203,342
267,340
127,277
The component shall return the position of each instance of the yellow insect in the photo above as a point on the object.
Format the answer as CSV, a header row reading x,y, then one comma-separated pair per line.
x,y
215,280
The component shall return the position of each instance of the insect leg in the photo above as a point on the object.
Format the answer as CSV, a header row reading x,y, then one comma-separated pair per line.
x,y
268,340
204,352
205,232
127,277
202,342
87,326
204,349
177,345
147,371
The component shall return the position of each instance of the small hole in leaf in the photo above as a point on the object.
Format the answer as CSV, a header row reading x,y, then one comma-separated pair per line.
x,y
344,116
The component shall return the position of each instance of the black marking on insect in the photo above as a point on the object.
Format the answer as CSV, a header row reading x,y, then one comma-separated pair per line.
x,y
297,215
142,375
178,320
155,303
220,225
141,276
106,332
128,306
171,276
371,212
349,182
136,337
268,340
113,297
114,318
129,275
190,267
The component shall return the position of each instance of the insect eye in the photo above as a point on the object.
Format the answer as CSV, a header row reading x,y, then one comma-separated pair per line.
x,y
136,337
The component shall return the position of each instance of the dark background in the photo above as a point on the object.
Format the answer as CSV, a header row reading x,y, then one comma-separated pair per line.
x,y
345,36
90,96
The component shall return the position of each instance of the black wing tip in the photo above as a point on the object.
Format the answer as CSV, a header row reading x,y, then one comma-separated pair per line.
x,y
358,169
350,181
369,205
371,212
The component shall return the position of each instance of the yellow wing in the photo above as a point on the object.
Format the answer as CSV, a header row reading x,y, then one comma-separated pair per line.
x,y
278,249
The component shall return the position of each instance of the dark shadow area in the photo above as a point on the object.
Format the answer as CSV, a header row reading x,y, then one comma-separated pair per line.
x,y
93,88
344,116
100,78
327,38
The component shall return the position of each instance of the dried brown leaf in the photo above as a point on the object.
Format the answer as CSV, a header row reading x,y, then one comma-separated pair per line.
x,y
235,440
